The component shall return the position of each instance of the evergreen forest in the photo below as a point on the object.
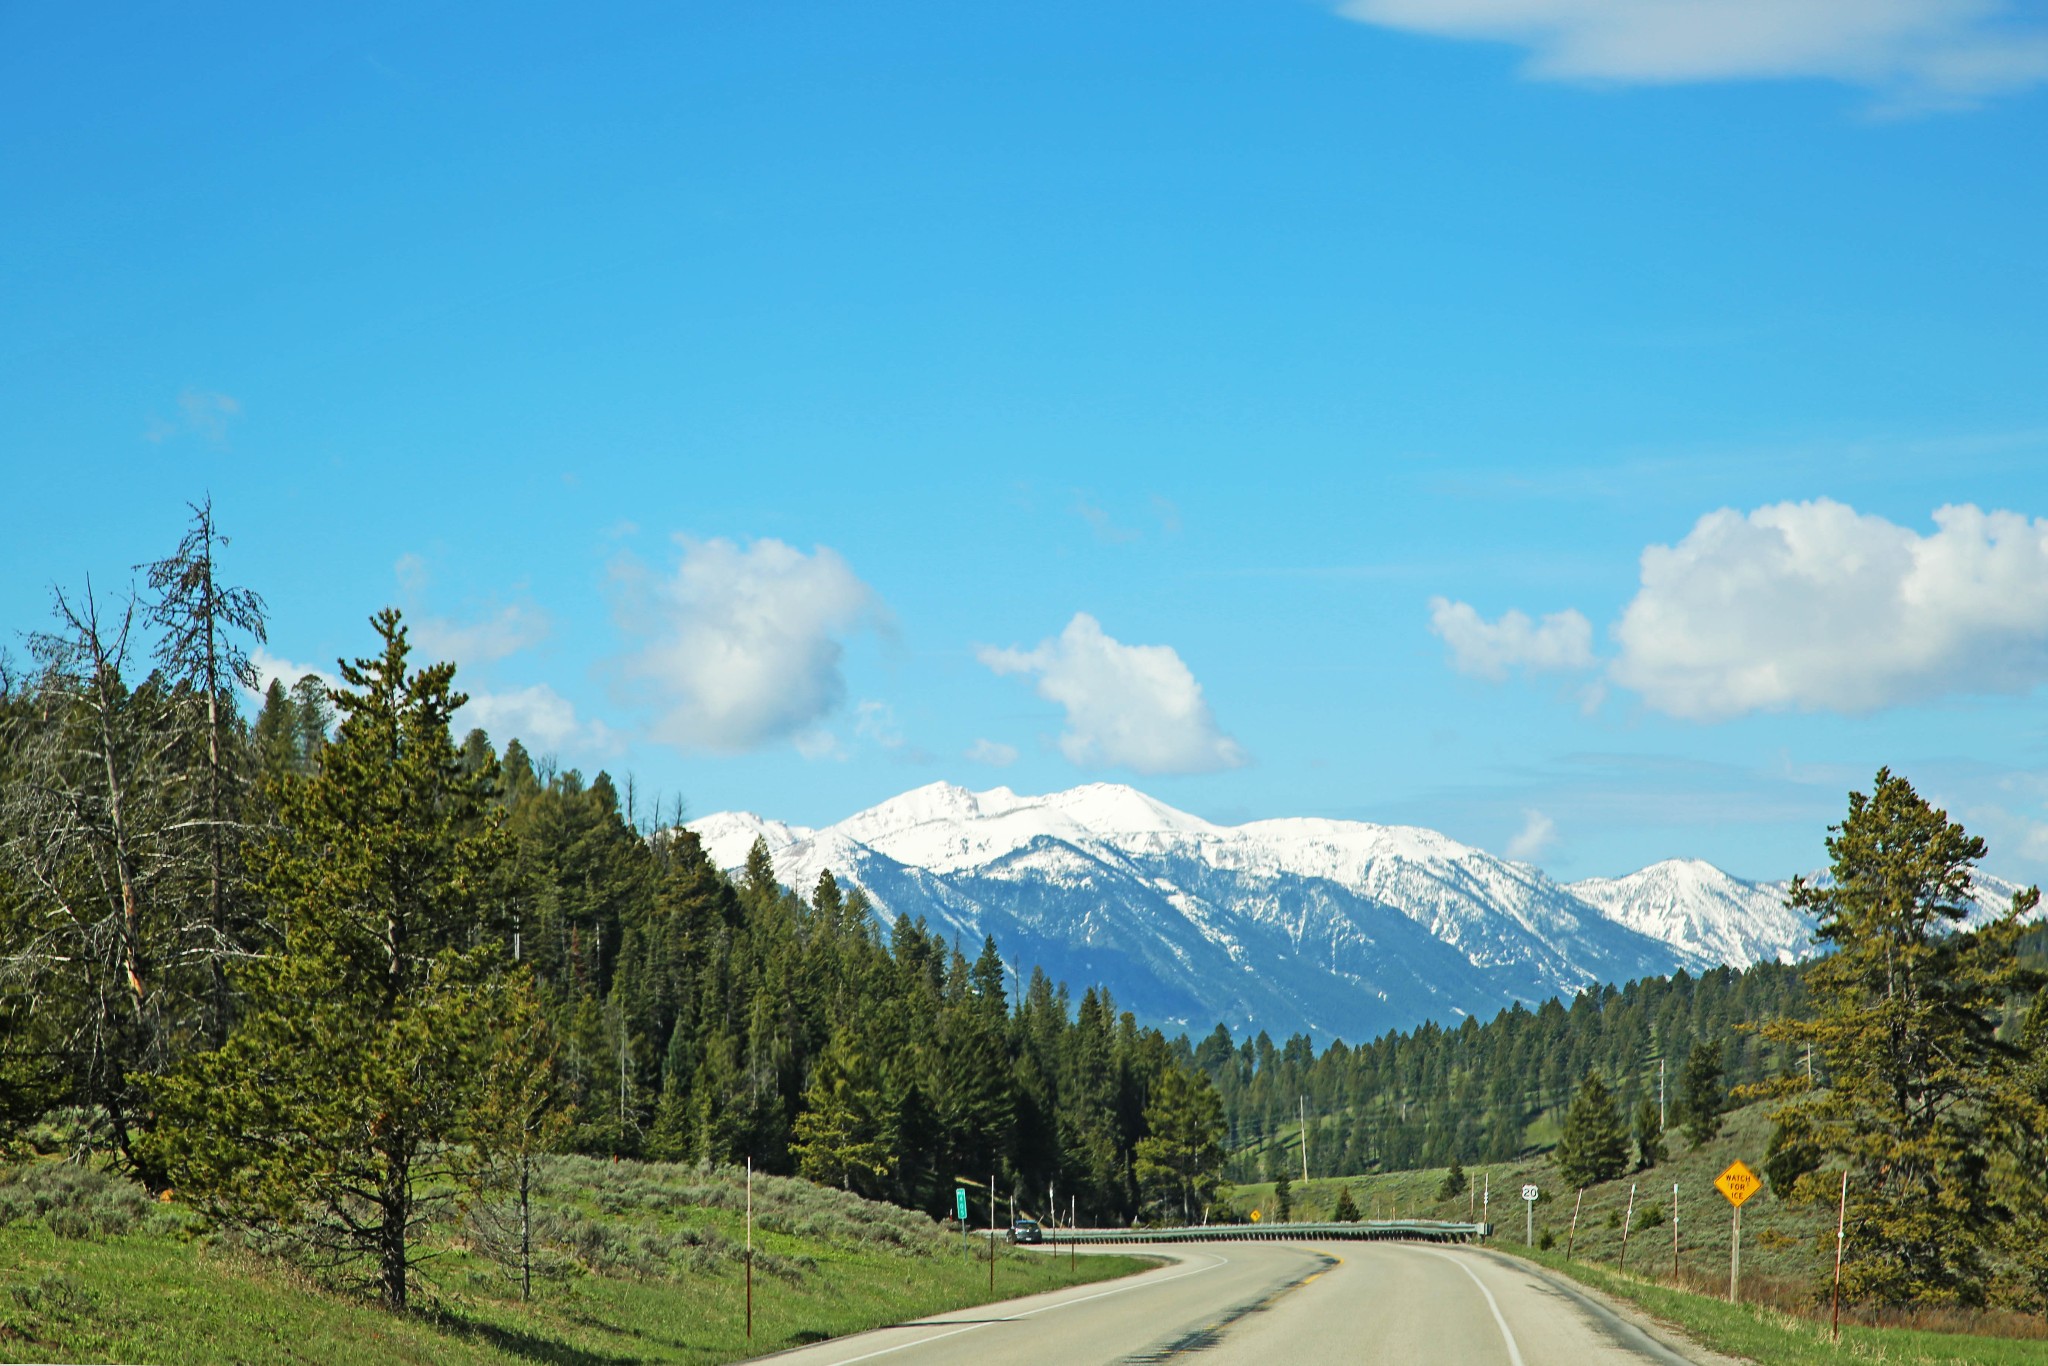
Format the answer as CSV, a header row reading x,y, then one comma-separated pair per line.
x,y
314,961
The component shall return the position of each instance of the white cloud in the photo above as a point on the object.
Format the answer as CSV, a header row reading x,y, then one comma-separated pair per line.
x,y
994,753
741,645
274,668
538,717
1133,705
1538,833
1924,51
1814,606
1562,640
816,743
876,721
506,631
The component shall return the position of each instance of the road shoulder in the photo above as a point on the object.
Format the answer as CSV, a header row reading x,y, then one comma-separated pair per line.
x,y
1613,1313
1167,1262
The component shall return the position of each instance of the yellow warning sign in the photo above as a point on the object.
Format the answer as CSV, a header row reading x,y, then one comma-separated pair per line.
x,y
1255,1216
1738,1183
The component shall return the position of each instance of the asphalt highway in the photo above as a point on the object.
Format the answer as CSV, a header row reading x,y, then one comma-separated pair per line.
x,y
1279,1304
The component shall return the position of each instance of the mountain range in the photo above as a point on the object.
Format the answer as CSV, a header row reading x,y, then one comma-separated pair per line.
x,y
1333,928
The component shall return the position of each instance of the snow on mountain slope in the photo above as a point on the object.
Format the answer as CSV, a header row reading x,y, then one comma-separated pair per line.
x,y
1994,897
1695,907
1330,926
1334,927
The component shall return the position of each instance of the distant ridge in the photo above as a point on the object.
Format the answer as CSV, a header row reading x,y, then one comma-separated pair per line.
x,y
1334,928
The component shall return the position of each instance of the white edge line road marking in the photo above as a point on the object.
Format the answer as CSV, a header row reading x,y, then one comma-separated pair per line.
x,y
1514,1352
1048,1308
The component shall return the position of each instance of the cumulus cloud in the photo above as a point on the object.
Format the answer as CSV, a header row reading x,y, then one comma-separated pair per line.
x,y
1538,833
1562,640
538,717
994,753
1137,706
1815,606
741,645
1923,51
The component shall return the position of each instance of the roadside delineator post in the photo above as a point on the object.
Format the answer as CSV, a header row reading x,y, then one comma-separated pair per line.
x,y
750,1248
1626,1219
1572,1239
1841,1226
1674,1231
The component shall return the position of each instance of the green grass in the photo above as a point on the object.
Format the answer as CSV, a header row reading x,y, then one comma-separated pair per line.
x,y
1784,1249
1778,1240
645,1267
1766,1333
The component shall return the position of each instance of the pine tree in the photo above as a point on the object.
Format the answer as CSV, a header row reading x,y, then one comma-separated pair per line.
x,y
1906,1010
1702,1093
313,710
841,1138
352,1100
1181,1156
1650,1147
1593,1146
275,736
1454,1182
1346,1211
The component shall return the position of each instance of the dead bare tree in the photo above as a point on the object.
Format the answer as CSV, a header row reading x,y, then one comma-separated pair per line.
x,y
88,839
202,658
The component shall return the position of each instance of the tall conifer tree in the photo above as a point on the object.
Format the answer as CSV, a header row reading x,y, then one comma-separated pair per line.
x,y
351,1102
1906,1014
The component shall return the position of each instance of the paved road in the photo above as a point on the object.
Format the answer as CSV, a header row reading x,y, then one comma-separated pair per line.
x,y
1256,1304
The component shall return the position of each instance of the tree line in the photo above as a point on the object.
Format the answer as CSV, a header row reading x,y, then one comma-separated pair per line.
x,y
1433,1095
328,970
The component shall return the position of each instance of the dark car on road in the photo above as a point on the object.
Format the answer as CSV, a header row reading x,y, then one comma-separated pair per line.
x,y
1026,1231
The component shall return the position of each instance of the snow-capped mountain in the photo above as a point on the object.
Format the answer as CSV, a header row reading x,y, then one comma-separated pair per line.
x,y
1338,928
1700,910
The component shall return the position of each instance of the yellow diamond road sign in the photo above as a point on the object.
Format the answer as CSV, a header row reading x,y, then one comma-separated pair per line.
x,y
1738,1183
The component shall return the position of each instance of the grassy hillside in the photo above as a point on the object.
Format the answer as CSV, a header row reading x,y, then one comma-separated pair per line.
x,y
1777,1238
641,1263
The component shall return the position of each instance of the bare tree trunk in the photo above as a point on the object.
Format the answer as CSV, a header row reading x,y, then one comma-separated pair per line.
x,y
124,862
396,1199
525,1227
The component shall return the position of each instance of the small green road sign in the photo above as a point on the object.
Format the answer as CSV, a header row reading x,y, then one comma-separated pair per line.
x,y
960,1202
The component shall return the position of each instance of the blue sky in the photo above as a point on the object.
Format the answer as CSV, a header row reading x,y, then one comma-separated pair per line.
x,y
791,404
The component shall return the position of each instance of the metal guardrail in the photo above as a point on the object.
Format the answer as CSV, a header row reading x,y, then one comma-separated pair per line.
x,y
1411,1230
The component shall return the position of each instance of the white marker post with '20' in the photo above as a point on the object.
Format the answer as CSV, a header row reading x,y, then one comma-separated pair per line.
x,y
1529,1194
